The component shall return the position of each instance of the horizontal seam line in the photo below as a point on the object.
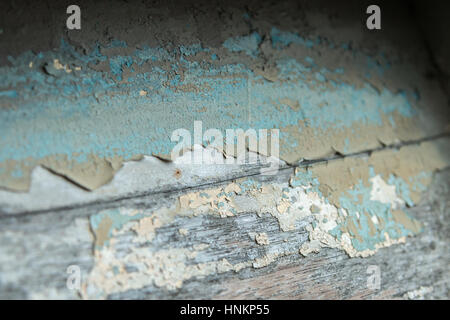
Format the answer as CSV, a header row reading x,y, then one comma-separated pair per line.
x,y
301,164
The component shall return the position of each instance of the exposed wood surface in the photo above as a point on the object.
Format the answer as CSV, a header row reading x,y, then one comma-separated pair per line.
x,y
36,249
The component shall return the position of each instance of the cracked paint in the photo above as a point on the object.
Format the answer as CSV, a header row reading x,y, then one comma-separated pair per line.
x,y
358,211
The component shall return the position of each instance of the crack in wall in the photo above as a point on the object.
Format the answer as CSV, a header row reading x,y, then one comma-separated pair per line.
x,y
283,167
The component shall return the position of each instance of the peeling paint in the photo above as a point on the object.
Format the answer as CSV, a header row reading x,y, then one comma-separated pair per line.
x,y
357,211
418,294
87,125
260,238
93,108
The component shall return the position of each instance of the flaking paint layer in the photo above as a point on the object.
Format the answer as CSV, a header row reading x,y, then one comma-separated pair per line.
x,y
359,211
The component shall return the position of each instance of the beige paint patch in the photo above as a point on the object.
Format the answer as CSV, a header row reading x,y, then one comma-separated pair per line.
x,y
146,227
10,181
163,268
59,66
89,174
403,219
102,232
405,163
262,239
317,143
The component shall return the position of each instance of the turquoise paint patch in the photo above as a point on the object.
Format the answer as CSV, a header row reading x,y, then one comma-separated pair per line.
x,y
9,94
17,173
357,203
401,188
117,218
320,77
282,39
249,185
310,61
305,178
192,50
117,65
248,44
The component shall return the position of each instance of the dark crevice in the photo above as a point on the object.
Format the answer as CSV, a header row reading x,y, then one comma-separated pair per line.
x,y
441,76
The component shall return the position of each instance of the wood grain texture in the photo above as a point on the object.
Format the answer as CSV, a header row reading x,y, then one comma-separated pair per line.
x,y
36,249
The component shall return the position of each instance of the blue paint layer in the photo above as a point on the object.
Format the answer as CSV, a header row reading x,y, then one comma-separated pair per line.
x,y
361,209
248,44
92,112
